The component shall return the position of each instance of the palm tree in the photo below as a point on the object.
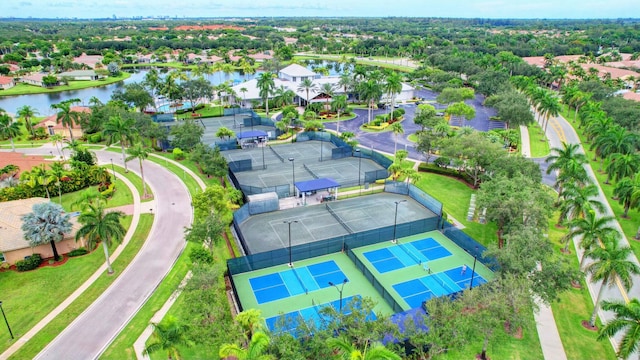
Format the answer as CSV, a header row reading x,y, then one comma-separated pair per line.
x,y
120,130
254,351
266,85
563,158
346,83
307,85
392,86
549,107
622,166
38,176
592,229
167,335
98,226
9,129
370,91
338,104
244,90
627,320
577,201
138,151
611,262
57,142
376,351
46,224
88,197
397,129
66,115
615,139
58,173
27,112
624,192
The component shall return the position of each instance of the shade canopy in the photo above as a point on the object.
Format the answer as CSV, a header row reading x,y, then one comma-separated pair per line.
x,y
316,184
251,134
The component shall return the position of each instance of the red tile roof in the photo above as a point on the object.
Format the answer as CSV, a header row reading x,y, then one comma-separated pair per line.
x,y
4,80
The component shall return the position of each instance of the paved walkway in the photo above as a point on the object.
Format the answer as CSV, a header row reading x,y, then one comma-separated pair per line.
x,y
550,341
134,210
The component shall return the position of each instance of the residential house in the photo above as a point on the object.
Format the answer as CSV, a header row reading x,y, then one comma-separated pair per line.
x,y
53,127
79,75
6,82
14,247
89,60
34,79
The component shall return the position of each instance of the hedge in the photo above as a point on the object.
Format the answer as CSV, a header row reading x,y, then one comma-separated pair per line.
x,y
29,263
430,168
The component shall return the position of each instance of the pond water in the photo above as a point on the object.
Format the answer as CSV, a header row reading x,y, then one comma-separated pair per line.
x,y
42,102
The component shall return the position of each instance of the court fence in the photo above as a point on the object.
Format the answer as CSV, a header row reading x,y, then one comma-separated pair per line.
x,y
416,194
468,244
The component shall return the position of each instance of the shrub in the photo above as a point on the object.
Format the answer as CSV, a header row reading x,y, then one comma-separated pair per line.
x,y
29,263
95,138
430,168
78,252
442,162
109,191
200,255
178,154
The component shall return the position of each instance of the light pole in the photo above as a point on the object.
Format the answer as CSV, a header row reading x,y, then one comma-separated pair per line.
x,y
264,166
473,270
293,171
340,289
289,222
115,178
359,165
5,321
321,145
395,221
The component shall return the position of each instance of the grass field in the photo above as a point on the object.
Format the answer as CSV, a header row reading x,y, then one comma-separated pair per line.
x,y
135,180
24,89
49,332
122,196
538,141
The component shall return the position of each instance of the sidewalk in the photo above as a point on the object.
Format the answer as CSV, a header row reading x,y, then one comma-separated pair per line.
x,y
550,341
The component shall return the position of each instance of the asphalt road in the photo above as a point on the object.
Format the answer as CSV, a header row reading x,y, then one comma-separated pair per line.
x,y
96,327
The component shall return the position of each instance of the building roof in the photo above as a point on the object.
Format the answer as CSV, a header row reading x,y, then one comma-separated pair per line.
x,y
630,95
11,212
53,121
78,73
297,70
251,134
89,60
34,77
316,184
4,80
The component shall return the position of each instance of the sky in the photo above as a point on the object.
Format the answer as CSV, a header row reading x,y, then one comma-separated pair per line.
x,y
575,9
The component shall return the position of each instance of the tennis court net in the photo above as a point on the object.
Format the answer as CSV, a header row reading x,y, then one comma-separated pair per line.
x,y
444,284
310,172
345,226
278,155
415,258
306,291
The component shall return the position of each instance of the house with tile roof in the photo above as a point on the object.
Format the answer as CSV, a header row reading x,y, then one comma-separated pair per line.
x,y
6,82
52,126
80,75
14,247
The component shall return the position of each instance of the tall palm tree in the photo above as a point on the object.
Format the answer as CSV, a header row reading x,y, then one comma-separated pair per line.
x,y
376,351
624,192
549,107
622,165
27,112
58,173
66,115
98,226
167,335
611,262
138,151
566,159
120,130
46,224
591,229
9,129
244,90
307,85
328,90
576,201
392,86
346,83
255,350
615,139
339,104
397,129
57,142
627,320
370,91
266,84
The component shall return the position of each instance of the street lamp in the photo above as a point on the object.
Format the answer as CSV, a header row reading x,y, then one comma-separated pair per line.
x,y
289,222
293,171
473,270
5,321
340,289
395,221
359,165
264,166
115,178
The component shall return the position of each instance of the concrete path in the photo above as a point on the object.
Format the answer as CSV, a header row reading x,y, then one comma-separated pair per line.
x,y
135,211
98,325
550,341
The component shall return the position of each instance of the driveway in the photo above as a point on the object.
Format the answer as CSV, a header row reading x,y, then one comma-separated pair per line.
x,y
98,325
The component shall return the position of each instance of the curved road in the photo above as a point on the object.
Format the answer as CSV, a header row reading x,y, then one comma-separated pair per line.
x,y
98,325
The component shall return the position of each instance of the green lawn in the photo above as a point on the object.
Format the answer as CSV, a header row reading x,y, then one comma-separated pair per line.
x,y
122,196
456,195
135,180
24,89
538,141
49,332
190,165
122,346
207,111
